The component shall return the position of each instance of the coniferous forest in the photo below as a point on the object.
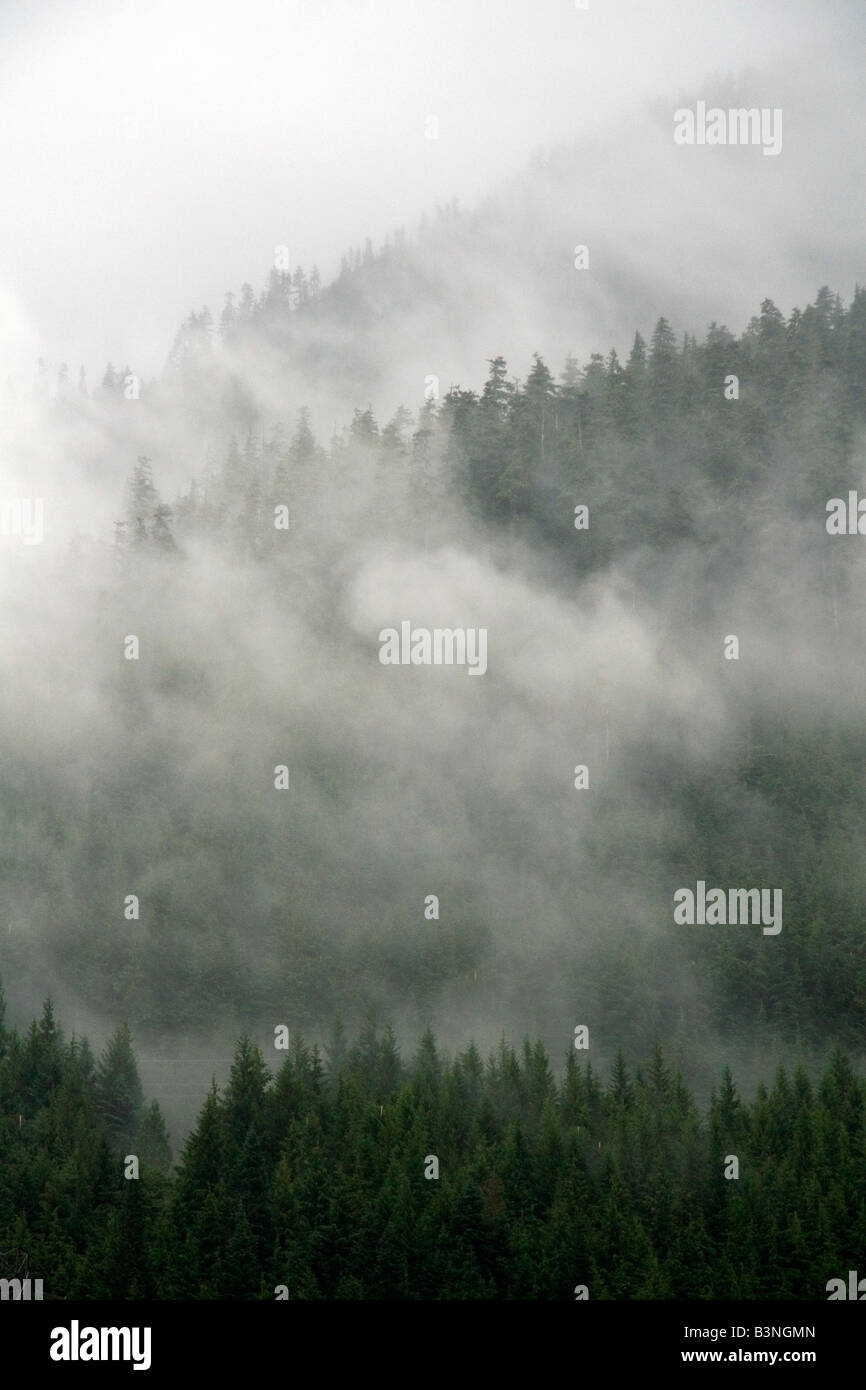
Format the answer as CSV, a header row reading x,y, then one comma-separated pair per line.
x,y
317,1182
432,728
311,1177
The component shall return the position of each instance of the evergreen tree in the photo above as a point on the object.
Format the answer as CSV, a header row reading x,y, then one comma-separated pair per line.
x,y
143,500
119,1096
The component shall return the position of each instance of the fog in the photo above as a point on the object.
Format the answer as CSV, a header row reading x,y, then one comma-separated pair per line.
x,y
158,156
154,155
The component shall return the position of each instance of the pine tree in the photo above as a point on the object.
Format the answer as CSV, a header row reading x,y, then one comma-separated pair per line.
x,y
151,1141
621,1088
245,1095
663,376
143,499
161,535
119,1096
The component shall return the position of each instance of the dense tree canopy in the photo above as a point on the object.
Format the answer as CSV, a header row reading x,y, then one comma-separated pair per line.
x,y
317,1178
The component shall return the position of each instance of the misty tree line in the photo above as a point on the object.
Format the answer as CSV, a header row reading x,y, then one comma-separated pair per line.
x,y
246,316
783,806
645,444
656,448
316,1181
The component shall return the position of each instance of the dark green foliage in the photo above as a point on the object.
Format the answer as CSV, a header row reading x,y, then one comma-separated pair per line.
x,y
319,1183
314,1177
680,482
118,1088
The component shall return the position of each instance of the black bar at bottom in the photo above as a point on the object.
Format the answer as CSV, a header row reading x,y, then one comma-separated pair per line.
x,y
413,1339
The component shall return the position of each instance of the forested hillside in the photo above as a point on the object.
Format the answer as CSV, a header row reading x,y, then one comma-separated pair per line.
x,y
705,515
361,1176
246,840
432,669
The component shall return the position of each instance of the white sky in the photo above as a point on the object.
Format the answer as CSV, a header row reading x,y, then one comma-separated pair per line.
x,y
155,151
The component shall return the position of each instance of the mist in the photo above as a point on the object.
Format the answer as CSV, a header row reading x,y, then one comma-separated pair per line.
x,y
161,160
